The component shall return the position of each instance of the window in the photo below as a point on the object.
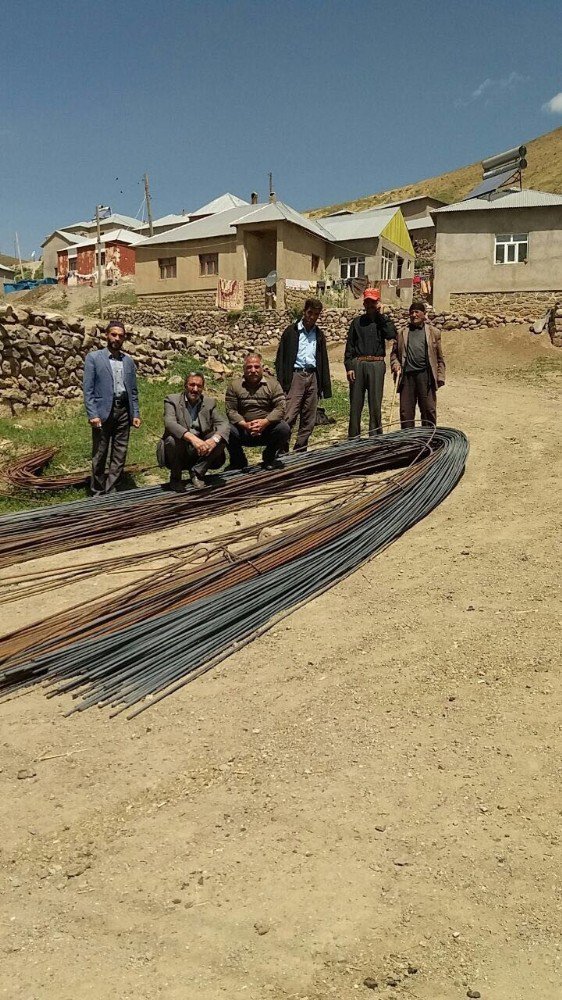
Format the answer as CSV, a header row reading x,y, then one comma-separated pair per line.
x,y
352,267
511,248
314,263
387,263
208,263
168,267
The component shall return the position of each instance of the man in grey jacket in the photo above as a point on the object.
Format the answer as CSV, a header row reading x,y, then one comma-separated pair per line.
x,y
195,434
112,405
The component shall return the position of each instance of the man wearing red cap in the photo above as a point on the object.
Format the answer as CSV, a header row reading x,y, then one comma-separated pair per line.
x,y
364,361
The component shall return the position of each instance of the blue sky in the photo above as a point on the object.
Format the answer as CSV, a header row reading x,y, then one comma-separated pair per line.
x,y
338,99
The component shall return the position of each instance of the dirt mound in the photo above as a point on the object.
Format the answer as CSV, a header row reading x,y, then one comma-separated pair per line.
x,y
498,349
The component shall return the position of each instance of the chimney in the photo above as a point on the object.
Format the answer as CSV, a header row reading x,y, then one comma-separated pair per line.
x,y
254,198
272,197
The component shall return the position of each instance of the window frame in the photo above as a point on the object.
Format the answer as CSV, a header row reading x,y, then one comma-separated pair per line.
x,y
208,265
508,240
387,264
168,264
353,265
314,263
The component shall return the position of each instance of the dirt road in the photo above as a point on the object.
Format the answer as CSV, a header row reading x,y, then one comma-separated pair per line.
x,y
369,792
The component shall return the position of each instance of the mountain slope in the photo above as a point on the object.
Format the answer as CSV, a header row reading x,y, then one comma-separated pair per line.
x,y
544,156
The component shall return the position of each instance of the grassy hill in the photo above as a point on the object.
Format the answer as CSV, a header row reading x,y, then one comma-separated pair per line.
x,y
544,156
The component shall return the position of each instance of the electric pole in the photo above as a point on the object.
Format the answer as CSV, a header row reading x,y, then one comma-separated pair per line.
x,y
148,205
98,250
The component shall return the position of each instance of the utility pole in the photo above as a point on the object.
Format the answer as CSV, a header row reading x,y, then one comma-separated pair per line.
x,y
19,255
148,205
98,251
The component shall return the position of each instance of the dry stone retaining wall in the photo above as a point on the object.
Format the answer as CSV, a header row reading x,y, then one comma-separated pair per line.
x,y
520,305
42,354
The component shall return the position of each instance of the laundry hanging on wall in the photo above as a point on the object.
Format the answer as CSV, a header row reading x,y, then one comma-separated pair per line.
x,y
230,294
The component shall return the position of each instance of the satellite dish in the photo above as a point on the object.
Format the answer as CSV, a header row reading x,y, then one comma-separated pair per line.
x,y
271,279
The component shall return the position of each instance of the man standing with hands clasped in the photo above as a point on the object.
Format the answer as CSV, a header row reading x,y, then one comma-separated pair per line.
x,y
303,370
418,364
112,405
364,361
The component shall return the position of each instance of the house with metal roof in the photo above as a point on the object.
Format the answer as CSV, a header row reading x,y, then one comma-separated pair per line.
x,y
59,239
195,264
78,263
501,251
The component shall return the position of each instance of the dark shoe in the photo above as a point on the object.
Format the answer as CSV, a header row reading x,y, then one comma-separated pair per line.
x,y
237,468
176,485
272,464
197,481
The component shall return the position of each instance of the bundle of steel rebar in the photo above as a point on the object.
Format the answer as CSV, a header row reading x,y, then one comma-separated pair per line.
x,y
79,524
168,633
25,473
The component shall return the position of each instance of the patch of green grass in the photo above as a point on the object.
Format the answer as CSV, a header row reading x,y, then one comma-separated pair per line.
x,y
535,371
121,296
66,427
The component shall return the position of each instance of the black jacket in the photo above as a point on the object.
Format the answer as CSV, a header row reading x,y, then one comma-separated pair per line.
x,y
287,355
366,337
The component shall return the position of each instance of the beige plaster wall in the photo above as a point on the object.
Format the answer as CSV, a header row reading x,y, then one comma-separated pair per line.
x,y
188,278
464,257
295,248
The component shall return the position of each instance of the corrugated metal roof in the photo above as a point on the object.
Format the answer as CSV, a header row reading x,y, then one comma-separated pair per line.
x,y
114,235
201,229
512,199
121,221
425,223
359,226
220,204
70,237
224,223
276,211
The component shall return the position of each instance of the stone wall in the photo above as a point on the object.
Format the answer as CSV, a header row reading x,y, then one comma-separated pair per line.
x,y
174,301
521,305
42,354
555,325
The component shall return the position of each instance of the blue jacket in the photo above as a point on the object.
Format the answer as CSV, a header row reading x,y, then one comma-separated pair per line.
x,y
98,385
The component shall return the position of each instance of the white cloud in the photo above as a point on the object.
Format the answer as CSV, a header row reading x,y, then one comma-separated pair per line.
x,y
554,105
490,88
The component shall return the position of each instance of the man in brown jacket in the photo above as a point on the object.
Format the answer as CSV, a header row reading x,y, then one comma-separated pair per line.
x,y
255,407
417,361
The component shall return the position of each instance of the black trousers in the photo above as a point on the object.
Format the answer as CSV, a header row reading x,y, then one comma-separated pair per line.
x,y
417,387
114,434
369,378
274,439
180,455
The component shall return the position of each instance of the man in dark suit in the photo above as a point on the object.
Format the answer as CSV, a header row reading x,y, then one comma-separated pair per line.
x,y
303,370
112,405
195,434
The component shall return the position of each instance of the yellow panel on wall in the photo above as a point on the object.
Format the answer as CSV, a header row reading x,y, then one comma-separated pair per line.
x,y
397,232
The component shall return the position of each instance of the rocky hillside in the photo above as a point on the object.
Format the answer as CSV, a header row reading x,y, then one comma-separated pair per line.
x,y
544,156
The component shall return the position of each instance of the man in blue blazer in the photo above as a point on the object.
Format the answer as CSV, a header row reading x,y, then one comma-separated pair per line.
x,y
112,405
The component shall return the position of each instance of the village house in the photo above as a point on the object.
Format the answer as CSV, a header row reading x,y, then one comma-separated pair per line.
x,y
7,273
499,253
416,212
224,258
72,234
77,264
